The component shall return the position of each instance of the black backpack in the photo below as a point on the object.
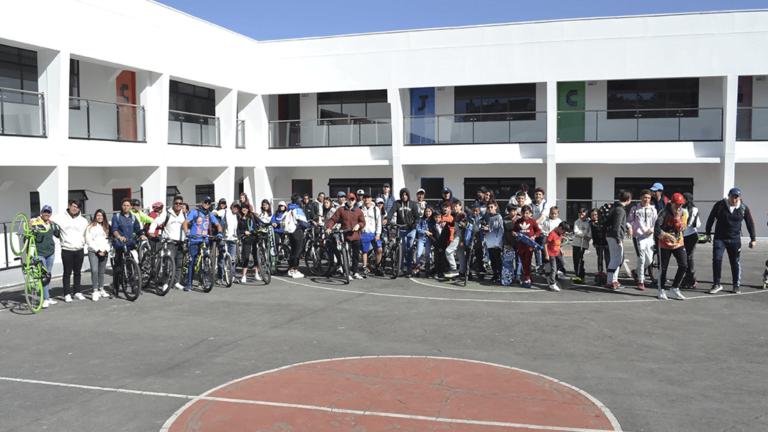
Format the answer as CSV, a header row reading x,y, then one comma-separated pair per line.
x,y
605,218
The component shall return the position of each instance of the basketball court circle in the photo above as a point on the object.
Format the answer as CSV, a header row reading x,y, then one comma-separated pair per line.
x,y
394,393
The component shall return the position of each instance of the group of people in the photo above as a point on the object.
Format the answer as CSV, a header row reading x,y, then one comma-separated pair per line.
x,y
525,236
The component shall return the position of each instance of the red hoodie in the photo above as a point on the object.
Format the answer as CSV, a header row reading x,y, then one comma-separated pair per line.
x,y
528,227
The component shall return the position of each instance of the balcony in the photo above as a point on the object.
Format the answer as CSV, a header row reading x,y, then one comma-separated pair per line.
x,y
22,113
689,124
193,129
491,128
240,143
106,121
752,124
353,131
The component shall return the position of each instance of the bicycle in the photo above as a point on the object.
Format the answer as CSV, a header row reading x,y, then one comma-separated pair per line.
x,y
35,274
477,228
204,265
158,265
395,250
227,264
316,255
127,275
282,254
265,253
342,245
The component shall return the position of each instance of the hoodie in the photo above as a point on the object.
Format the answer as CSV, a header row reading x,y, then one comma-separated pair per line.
x,y
372,219
495,235
72,229
452,199
728,227
642,219
407,210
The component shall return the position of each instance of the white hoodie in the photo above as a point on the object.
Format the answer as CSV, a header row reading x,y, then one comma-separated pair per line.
x,y
96,239
581,233
72,231
372,220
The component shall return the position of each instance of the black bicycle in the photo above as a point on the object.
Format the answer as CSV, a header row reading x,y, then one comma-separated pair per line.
x,y
127,275
477,228
316,255
158,265
264,253
342,245
395,251
203,266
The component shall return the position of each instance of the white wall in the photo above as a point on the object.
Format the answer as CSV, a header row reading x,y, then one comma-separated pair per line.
x,y
750,178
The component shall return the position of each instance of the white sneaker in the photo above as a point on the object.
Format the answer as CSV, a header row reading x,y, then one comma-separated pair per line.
x,y
258,277
554,288
165,287
179,286
661,295
560,275
52,301
290,273
45,304
219,282
68,298
357,276
80,296
103,293
716,289
243,279
298,274
677,294
95,296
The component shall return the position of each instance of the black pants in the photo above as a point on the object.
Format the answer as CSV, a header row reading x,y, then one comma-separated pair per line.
x,y
249,249
354,255
690,247
73,263
177,253
495,255
682,264
578,262
295,239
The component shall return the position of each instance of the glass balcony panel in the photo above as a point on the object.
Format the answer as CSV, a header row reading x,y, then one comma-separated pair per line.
x,y
615,129
174,128
706,127
240,134
760,124
662,125
78,118
330,132
103,120
193,129
344,134
378,132
491,132
529,131
420,130
23,113
210,131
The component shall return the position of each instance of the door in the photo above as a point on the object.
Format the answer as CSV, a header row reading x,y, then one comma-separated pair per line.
x,y
125,86
570,125
578,194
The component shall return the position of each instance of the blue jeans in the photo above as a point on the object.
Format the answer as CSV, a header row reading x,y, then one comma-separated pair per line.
x,y
424,244
226,246
537,252
194,251
406,240
48,264
734,252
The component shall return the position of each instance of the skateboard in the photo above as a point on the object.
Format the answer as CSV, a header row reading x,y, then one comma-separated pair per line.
x,y
507,268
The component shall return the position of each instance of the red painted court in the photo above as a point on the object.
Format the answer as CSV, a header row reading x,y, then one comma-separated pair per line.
x,y
395,393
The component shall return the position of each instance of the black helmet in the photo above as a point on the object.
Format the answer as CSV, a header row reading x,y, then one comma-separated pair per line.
x,y
45,277
136,202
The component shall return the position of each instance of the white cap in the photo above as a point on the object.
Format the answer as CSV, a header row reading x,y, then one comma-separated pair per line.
x,y
379,200
281,203
421,191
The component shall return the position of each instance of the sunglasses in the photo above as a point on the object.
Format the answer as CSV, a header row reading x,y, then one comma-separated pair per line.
x,y
206,202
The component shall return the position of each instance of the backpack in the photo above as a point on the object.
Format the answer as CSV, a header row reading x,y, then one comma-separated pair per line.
x,y
604,218
288,222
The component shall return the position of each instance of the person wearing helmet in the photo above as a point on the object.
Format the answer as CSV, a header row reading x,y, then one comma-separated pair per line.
x,y
199,223
157,210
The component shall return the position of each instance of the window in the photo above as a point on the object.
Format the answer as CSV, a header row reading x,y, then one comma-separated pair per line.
x,y
354,104
433,189
672,185
170,193
34,204
117,198
80,197
18,70
202,191
372,186
301,187
495,102
665,97
74,83
502,187
576,190
192,99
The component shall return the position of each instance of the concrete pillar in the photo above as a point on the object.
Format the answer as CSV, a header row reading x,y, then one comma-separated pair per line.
x,y
155,185
226,111
730,104
54,190
155,98
262,187
54,82
224,185
551,159
395,100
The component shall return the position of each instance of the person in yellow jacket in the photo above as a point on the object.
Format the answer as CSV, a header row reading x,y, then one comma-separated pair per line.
x,y
670,226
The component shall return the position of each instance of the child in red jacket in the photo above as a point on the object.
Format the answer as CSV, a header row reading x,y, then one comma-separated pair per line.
x,y
526,225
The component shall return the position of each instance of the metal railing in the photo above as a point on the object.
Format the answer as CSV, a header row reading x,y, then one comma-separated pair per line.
x,y
22,113
351,131
490,128
685,124
193,129
240,139
107,121
752,124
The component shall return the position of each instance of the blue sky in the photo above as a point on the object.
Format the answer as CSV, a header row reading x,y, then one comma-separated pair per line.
x,y
286,19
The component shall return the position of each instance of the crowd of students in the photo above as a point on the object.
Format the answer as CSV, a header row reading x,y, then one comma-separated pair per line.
x,y
451,239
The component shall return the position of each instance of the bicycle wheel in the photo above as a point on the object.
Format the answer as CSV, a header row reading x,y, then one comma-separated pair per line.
x,y
164,277
397,260
652,271
264,271
283,253
132,282
144,250
345,263
387,262
207,274
19,228
33,290
145,265
318,261
227,275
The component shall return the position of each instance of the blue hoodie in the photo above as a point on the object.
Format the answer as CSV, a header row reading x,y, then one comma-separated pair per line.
x,y
301,217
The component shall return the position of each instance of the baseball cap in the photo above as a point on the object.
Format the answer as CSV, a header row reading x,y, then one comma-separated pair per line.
x,y
360,191
281,203
734,191
476,205
657,187
386,185
379,200
207,199
446,190
46,208
366,195
678,199
235,203
321,193
341,194
351,196
421,191
223,200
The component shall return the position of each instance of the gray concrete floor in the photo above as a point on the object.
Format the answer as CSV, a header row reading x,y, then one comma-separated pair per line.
x,y
694,365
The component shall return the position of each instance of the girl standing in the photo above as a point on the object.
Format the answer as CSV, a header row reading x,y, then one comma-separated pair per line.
x,y
266,211
247,225
424,240
96,235
494,238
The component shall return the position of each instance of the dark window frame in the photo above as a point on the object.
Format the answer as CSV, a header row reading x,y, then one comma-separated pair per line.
x,y
34,204
118,200
506,92
25,59
625,97
340,98
370,185
74,83
192,99
201,191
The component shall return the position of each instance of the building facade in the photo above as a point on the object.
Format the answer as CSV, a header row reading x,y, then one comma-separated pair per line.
x,y
140,100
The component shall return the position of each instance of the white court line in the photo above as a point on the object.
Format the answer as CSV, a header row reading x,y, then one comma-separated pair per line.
x,y
649,299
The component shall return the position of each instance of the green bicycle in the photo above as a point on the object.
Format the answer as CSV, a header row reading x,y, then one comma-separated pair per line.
x,y
203,267
24,247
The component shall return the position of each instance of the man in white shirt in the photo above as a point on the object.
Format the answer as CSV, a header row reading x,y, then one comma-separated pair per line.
x,y
170,227
540,212
371,235
72,227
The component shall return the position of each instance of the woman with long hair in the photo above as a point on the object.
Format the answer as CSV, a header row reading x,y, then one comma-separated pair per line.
x,y
327,210
244,201
247,225
96,235
266,211
276,220
691,238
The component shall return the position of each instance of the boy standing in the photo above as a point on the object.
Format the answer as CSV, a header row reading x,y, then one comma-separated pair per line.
x,y
547,226
526,226
510,262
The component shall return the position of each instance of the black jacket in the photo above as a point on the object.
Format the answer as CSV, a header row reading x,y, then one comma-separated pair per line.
x,y
407,211
618,222
309,211
728,226
509,226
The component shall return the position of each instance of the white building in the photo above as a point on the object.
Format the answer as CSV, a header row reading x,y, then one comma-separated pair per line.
x,y
136,99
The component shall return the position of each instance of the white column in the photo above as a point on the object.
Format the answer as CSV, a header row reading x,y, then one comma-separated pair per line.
x,y
730,104
54,82
262,187
155,186
226,111
396,106
54,190
551,184
155,98
224,184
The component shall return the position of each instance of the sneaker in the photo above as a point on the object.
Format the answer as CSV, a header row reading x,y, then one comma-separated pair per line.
x,y
634,276
661,295
675,292
165,287
179,286
554,288
614,286
290,273
219,282
516,280
244,279
526,284
104,294
400,273
716,289
356,276
366,272
257,276
736,289
46,303
298,274
188,288
68,298
52,302
560,275
641,287
80,296
95,296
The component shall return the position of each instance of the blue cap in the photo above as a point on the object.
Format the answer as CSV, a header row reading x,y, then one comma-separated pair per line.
x,y
386,185
734,191
49,209
657,187
476,205
445,190
207,199
321,193
341,194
